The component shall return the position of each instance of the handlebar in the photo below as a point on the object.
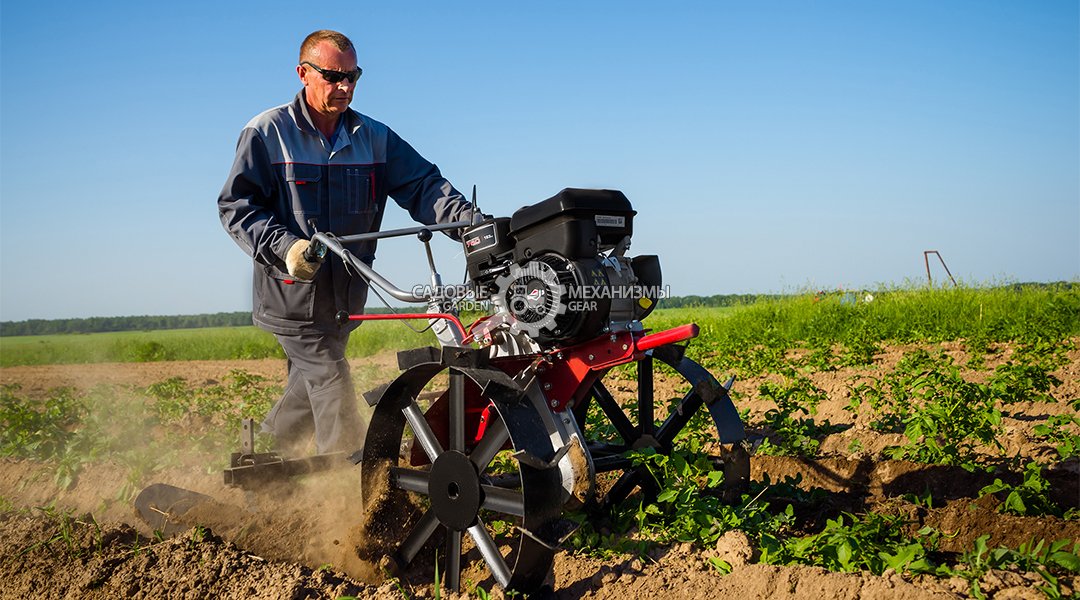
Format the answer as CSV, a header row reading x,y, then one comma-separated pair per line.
x,y
323,242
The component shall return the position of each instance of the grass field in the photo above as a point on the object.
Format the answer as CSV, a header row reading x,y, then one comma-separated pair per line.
x,y
212,343
979,315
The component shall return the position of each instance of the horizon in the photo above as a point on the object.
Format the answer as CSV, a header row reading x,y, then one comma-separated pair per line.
x,y
807,146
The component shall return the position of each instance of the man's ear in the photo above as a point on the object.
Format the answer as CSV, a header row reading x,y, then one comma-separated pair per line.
x,y
301,71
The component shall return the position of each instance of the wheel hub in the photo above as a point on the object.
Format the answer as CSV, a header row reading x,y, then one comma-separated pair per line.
x,y
454,490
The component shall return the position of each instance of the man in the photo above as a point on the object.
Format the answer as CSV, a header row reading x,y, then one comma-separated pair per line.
x,y
317,165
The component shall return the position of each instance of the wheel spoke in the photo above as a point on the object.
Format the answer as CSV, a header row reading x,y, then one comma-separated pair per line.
x,y
453,561
422,431
502,500
457,410
678,418
410,480
493,440
623,487
418,536
614,413
491,553
645,396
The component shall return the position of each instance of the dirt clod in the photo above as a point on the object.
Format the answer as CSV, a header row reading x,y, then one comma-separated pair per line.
x,y
734,548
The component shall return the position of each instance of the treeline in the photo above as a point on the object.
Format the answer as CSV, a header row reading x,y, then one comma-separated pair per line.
x,y
243,318
134,323
714,300
743,299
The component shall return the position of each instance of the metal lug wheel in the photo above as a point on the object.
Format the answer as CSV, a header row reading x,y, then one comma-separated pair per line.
x,y
462,487
705,394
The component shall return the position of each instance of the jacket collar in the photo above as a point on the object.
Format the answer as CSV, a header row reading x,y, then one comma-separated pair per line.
x,y
302,117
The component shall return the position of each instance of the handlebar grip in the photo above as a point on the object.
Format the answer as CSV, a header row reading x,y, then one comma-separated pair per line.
x,y
315,252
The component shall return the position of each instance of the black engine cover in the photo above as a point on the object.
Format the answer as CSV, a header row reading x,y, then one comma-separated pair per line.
x,y
575,223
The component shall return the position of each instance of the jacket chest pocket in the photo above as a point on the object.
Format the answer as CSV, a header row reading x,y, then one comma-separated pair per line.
x,y
359,190
304,183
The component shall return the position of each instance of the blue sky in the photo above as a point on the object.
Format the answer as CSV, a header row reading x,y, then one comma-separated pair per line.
x,y
767,146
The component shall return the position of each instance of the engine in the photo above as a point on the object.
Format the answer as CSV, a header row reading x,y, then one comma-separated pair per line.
x,y
557,271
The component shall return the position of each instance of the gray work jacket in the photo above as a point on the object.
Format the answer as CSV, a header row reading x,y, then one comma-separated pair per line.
x,y
287,178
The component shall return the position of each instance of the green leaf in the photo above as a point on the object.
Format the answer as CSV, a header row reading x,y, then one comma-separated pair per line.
x,y
980,547
1066,560
843,554
667,495
714,478
898,561
1015,504
720,565
680,466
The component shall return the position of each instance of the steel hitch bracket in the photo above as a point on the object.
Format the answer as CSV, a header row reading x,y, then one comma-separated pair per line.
x,y
250,470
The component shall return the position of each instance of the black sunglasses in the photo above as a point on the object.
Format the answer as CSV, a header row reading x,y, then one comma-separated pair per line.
x,y
336,76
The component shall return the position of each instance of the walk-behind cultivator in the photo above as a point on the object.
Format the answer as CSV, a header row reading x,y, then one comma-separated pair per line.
x,y
497,425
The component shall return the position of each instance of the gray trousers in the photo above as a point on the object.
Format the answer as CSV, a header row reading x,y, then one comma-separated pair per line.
x,y
319,398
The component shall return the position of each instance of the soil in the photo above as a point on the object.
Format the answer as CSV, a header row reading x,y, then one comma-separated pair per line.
x,y
298,540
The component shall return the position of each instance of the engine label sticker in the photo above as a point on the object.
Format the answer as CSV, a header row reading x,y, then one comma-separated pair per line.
x,y
481,238
610,221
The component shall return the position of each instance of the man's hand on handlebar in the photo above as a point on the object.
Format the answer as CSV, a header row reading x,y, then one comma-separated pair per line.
x,y
474,218
301,260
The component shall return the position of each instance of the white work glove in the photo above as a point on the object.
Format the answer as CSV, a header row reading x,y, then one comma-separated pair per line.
x,y
298,266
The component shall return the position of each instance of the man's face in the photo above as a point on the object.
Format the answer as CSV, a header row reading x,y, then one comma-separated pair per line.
x,y
328,99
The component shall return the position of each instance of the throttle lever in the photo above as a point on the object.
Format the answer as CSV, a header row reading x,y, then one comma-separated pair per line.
x,y
316,250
